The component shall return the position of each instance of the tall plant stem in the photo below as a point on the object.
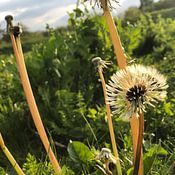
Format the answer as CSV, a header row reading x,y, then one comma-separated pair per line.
x,y
136,127
110,125
31,101
121,60
139,145
10,157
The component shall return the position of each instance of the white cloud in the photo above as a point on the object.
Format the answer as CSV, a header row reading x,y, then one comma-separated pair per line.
x,y
51,17
36,13
4,1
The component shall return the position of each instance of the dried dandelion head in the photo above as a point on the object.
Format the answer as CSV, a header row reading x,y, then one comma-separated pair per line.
x,y
100,64
130,90
106,154
103,3
106,157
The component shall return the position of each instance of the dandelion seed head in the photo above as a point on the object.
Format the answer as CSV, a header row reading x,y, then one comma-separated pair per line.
x,y
132,89
103,3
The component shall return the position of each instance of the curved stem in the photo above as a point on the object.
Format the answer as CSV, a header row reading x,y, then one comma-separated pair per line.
x,y
10,157
31,101
111,129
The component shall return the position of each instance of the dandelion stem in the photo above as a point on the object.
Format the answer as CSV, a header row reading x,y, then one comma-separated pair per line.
x,y
137,162
121,58
10,157
31,100
135,130
111,129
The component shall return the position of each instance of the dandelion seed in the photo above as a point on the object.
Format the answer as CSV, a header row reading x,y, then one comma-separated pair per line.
x,y
130,90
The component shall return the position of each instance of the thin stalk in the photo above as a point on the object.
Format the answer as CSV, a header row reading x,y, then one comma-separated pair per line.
x,y
121,60
110,125
10,157
31,101
92,131
137,162
135,131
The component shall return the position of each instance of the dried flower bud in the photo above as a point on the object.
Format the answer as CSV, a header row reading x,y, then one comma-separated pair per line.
x,y
107,158
17,30
106,154
99,63
9,19
105,4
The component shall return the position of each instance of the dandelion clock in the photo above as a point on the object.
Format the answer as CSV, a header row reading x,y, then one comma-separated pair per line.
x,y
132,89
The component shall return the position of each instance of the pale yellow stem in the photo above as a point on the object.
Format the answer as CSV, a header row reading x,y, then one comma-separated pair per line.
x,y
118,49
31,101
138,162
10,157
134,123
121,60
110,125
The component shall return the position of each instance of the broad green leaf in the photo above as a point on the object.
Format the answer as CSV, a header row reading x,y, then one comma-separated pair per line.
x,y
79,152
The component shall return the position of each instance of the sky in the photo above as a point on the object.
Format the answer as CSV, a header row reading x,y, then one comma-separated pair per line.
x,y
35,14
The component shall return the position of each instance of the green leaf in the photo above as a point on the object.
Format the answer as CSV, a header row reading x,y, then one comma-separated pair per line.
x,y
150,156
130,171
79,152
66,171
168,110
2,172
78,12
92,113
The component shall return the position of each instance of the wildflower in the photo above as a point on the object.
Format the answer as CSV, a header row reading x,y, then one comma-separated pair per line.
x,y
130,90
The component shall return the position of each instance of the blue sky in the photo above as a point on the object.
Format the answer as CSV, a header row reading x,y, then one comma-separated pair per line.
x,y
36,13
